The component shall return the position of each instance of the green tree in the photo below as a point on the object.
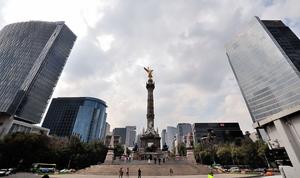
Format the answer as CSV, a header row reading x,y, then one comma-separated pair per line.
x,y
118,150
182,149
204,154
24,149
21,150
224,154
239,152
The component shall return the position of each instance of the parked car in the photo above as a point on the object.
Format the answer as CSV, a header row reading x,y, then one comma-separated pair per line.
x,y
234,169
259,170
12,170
4,172
65,171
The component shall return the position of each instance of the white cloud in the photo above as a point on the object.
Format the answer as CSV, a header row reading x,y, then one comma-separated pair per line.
x,y
105,41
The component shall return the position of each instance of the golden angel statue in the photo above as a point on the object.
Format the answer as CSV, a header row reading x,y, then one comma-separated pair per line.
x,y
149,71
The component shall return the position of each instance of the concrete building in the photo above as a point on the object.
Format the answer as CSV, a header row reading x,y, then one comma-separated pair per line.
x,y
32,57
19,126
82,116
254,136
130,136
222,132
170,136
265,59
182,130
107,129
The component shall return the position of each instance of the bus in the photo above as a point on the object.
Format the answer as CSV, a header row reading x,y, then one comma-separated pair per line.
x,y
43,168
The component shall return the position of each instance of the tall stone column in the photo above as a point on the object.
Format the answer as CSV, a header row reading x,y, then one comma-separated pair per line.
x,y
150,138
150,105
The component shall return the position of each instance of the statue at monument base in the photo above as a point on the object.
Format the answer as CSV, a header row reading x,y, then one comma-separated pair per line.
x,y
109,157
190,155
110,153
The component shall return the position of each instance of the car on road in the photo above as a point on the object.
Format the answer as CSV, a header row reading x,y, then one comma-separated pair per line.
x,y
43,168
259,170
234,169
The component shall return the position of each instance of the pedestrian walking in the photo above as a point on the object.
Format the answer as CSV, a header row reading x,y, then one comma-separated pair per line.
x,y
139,173
159,160
121,173
127,171
171,172
210,175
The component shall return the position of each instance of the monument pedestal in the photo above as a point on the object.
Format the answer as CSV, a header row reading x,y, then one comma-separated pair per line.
x,y
135,156
150,146
109,157
148,141
190,155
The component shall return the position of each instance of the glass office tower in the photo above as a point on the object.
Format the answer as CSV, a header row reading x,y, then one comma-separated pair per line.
x,y
266,62
130,136
170,136
182,130
32,57
81,116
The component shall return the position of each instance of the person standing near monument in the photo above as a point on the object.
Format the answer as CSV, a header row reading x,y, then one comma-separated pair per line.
x,y
139,173
121,173
127,171
171,172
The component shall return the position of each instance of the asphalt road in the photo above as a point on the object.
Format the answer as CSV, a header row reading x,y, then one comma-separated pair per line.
x,y
23,175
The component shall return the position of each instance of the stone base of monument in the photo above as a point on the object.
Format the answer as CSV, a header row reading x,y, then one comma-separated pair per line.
x,y
135,155
190,155
109,157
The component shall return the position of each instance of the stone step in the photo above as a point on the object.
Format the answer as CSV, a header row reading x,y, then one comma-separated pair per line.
x,y
147,170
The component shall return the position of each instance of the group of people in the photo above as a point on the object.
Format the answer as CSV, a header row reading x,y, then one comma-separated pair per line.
x,y
159,160
121,172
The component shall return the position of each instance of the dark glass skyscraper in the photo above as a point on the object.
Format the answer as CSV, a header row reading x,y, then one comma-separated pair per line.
x,y
81,116
122,133
266,62
32,57
222,132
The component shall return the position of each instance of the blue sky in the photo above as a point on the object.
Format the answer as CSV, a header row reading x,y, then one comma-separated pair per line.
x,y
183,41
